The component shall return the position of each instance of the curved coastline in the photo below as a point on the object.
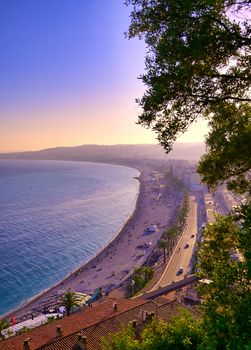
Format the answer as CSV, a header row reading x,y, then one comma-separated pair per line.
x,y
85,278
28,304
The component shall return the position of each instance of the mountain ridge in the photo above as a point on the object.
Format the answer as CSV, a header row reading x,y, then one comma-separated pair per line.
x,y
109,153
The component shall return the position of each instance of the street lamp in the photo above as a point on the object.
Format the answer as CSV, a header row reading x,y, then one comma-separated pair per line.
x,y
132,284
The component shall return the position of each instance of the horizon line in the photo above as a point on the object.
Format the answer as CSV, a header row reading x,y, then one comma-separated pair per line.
x,y
96,144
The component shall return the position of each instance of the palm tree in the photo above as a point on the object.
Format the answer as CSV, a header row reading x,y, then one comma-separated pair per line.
x,y
164,245
171,235
68,301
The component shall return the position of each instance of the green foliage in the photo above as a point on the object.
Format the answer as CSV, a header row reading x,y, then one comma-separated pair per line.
x,y
172,233
244,244
229,144
23,330
124,340
183,210
227,299
226,302
182,332
198,65
165,246
141,277
51,319
3,325
69,300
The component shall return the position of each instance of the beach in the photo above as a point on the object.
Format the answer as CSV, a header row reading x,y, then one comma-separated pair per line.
x,y
129,249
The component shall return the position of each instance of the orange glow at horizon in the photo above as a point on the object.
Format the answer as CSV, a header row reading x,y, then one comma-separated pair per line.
x,y
104,123
72,129
77,84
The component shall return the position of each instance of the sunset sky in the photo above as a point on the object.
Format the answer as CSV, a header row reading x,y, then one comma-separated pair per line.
x,y
69,76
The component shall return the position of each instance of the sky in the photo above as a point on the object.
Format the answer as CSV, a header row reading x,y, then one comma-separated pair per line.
x,y
69,76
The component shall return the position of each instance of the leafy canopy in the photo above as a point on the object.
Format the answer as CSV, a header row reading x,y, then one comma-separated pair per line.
x,y
183,332
69,300
141,276
198,65
226,306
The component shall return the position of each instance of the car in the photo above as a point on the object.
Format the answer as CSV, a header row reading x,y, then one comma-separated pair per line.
x,y
192,235
186,245
180,270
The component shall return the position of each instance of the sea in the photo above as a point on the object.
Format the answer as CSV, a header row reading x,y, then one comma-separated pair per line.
x,y
55,216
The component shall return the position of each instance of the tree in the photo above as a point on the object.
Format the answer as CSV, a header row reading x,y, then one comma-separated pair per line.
x,y
123,340
183,210
183,332
226,306
198,65
164,245
229,143
171,235
69,300
141,276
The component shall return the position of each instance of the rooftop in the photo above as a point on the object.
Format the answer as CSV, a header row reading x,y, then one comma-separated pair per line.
x,y
93,323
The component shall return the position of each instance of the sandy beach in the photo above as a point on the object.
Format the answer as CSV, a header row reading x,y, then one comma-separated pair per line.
x,y
129,249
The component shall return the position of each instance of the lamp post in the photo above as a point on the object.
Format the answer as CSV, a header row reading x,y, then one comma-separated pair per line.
x,y
132,284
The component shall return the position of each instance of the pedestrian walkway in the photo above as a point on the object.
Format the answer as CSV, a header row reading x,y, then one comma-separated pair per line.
x,y
30,323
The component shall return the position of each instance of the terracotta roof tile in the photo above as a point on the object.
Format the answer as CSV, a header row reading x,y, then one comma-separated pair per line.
x,y
94,323
114,324
83,319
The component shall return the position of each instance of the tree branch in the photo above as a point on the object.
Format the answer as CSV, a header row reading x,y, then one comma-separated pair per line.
x,y
216,98
228,76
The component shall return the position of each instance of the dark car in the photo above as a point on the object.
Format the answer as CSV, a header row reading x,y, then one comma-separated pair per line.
x,y
186,245
180,271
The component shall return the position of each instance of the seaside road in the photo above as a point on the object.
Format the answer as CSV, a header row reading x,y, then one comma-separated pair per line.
x,y
182,254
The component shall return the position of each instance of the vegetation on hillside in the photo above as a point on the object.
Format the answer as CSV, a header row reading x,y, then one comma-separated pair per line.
x,y
182,332
141,276
226,304
198,65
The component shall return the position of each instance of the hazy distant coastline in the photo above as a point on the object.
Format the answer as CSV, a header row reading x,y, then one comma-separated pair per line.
x,y
145,158
116,154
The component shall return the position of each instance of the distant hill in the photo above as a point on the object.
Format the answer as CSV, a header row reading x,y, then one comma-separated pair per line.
x,y
114,153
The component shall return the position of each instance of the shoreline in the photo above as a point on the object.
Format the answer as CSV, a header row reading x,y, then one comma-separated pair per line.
x,y
89,276
44,292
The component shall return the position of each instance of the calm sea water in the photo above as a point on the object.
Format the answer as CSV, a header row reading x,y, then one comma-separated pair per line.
x,y
54,216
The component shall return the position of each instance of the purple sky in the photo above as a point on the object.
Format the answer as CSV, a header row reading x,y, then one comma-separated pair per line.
x,y
68,75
